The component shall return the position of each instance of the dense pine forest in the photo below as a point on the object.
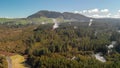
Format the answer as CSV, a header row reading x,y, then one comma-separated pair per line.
x,y
72,44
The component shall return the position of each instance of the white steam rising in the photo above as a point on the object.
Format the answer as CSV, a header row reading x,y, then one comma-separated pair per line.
x,y
43,22
56,25
118,31
75,27
99,57
111,46
69,23
90,23
95,34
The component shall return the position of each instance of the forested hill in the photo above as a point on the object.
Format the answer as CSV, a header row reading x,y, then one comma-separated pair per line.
x,y
65,15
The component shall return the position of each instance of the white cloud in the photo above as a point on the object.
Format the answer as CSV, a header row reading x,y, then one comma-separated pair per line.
x,y
84,11
99,13
93,11
105,10
119,11
117,15
76,11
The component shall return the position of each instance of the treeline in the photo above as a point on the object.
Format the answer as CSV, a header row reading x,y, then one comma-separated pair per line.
x,y
72,45
69,47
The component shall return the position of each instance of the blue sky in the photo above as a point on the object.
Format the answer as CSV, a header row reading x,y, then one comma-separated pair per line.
x,y
23,8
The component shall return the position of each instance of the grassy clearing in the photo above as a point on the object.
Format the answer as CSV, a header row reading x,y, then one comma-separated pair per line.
x,y
18,61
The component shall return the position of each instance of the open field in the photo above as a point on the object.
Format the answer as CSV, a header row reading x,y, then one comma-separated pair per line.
x,y
18,61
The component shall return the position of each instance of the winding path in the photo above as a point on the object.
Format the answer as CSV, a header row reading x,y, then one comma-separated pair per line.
x,y
9,62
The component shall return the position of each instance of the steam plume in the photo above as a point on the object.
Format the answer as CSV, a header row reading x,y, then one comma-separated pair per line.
x,y
90,23
99,57
56,25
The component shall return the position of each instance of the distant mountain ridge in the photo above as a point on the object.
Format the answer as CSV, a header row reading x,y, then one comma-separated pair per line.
x,y
70,16
45,16
64,15
45,13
